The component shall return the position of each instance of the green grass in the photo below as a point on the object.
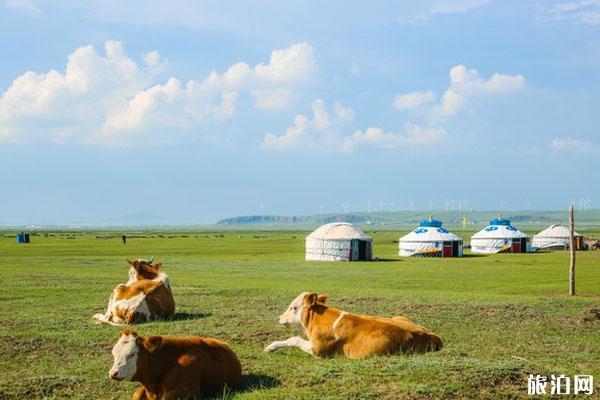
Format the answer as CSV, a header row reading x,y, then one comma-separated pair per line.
x,y
502,317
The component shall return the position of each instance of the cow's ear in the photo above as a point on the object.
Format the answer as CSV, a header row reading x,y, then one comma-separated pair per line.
x,y
153,343
310,299
322,298
132,263
157,266
128,332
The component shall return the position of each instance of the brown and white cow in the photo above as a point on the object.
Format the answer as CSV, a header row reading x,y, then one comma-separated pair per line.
x,y
331,331
146,296
174,367
141,269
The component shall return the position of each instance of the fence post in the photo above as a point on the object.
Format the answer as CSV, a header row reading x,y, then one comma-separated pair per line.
x,y
572,252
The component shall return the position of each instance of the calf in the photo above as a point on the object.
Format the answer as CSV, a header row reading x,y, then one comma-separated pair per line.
x,y
331,331
174,367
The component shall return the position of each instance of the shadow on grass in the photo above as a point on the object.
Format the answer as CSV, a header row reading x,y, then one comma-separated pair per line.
x,y
249,383
472,255
185,316
376,260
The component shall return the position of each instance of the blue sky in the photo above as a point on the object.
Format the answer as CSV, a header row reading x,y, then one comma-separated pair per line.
x,y
200,110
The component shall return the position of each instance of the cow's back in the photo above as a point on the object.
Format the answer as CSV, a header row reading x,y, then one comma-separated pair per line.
x,y
363,336
160,301
206,362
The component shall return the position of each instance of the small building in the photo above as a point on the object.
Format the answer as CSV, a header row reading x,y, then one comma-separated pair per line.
x,y
557,237
500,237
430,239
338,241
22,237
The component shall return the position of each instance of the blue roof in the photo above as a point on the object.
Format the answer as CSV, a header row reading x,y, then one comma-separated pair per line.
x,y
499,221
433,223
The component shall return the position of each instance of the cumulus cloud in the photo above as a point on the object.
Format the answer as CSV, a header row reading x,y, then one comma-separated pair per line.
x,y
413,135
581,11
465,85
412,100
110,99
309,131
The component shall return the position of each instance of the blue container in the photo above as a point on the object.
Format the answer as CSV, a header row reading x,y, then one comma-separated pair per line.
x,y
23,237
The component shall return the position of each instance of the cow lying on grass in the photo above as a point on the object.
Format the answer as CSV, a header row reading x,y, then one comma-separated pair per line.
x,y
146,296
145,269
331,331
174,367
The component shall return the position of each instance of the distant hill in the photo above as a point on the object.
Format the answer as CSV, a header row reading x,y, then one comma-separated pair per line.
x,y
591,217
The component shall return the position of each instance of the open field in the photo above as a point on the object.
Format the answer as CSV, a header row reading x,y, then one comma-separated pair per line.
x,y
502,317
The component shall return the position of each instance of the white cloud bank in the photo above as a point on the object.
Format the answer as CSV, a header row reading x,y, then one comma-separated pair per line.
x,y
413,135
308,132
465,86
109,99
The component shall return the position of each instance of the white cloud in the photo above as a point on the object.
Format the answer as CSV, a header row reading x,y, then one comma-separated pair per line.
x,y
309,131
412,100
582,12
110,99
154,63
570,144
413,135
465,86
467,83
272,84
26,5
457,6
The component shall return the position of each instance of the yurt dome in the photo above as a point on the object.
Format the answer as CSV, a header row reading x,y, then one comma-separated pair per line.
x,y
556,237
339,241
430,239
499,237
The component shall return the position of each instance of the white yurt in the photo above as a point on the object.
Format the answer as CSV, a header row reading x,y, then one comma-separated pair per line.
x,y
338,241
500,237
556,237
430,239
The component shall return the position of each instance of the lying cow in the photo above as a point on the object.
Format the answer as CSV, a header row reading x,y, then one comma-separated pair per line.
x,y
331,331
145,269
141,299
174,367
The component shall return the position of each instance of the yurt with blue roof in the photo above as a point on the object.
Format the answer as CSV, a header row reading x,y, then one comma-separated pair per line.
x,y
500,237
430,239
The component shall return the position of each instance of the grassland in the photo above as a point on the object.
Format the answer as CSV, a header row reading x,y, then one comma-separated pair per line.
x,y
502,317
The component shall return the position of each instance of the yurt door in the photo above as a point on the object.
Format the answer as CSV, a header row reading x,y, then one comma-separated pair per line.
x,y
362,250
354,250
447,249
516,246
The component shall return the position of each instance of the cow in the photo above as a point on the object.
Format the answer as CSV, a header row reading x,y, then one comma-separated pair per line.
x,y
145,269
174,367
146,296
331,331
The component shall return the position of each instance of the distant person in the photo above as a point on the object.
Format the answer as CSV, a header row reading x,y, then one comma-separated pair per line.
x,y
124,238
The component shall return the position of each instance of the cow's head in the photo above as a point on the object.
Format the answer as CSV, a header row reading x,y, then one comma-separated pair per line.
x,y
143,269
129,352
293,315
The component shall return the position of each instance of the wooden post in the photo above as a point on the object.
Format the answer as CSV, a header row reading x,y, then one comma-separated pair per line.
x,y
572,247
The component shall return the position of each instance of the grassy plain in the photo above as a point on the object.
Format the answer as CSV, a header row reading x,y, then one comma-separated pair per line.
x,y
501,317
